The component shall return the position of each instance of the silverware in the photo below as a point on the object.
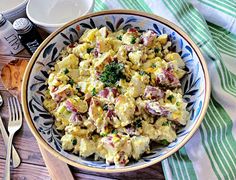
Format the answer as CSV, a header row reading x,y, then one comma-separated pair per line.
x,y
14,124
15,156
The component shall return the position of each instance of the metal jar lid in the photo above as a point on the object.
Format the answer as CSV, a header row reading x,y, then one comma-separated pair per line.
x,y
2,20
22,25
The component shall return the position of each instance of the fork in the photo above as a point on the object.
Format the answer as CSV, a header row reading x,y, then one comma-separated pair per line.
x,y
14,124
15,156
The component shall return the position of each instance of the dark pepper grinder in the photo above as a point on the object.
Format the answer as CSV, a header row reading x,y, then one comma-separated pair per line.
x,y
28,34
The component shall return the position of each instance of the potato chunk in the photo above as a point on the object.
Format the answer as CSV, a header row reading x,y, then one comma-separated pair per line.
x,y
71,61
125,108
140,144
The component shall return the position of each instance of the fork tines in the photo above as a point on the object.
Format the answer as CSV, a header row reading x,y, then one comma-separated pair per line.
x,y
14,109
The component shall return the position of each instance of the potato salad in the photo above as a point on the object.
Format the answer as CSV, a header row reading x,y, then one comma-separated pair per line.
x,y
114,94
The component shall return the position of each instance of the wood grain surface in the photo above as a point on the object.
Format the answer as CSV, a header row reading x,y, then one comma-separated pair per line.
x,y
54,166
12,76
33,166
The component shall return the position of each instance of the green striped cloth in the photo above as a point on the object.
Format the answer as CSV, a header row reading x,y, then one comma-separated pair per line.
x,y
211,153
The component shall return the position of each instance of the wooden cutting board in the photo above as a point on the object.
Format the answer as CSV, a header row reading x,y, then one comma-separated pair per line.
x,y
11,75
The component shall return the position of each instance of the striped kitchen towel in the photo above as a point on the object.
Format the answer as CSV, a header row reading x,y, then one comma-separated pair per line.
x,y
211,153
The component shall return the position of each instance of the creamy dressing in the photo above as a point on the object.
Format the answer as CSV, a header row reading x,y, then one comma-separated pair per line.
x,y
113,110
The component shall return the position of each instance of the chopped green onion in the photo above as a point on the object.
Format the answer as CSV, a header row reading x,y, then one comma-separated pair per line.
x,y
118,87
170,98
133,40
142,73
78,88
113,72
114,131
138,123
74,142
103,134
164,142
71,82
66,71
156,50
153,65
178,104
105,107
94,92
119,37
89,50
167,123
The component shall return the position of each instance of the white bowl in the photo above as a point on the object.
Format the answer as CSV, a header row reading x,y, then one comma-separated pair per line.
x,y
50,15
13,9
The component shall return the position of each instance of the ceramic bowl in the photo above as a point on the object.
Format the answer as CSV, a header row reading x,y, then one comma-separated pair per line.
x,y
13,9
50,15
195,84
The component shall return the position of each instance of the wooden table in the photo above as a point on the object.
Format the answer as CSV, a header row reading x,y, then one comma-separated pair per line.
x,y
33,166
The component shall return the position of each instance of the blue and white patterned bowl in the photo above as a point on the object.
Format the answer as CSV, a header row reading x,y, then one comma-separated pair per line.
x,y
195,84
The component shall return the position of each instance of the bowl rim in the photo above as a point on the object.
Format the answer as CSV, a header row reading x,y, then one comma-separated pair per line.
x,y
53,25
17,7
127,169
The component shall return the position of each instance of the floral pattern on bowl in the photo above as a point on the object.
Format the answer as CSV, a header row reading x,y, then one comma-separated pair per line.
x,y
194,84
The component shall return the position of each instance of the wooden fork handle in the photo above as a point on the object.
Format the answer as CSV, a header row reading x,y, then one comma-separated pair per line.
x,y
15,156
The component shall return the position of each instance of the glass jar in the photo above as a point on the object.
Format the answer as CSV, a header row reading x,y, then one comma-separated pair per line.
x,y
28,34
9,36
